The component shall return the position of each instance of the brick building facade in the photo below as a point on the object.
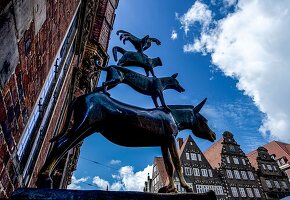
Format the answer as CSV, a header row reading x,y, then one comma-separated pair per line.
x,y
225,169
239,177
197,171
273,179
279,151
45,61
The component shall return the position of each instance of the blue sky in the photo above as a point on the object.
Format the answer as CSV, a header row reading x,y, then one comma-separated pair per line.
x,y
219,53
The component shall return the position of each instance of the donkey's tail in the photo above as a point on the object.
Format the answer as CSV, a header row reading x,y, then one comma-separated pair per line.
x,y
66,123
116,50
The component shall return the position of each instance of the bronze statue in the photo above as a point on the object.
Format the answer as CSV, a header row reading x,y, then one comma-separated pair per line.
x,y
129,126
140,44
131,58
151,86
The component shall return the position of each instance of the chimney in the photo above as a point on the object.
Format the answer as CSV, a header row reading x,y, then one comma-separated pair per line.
x,y
180,142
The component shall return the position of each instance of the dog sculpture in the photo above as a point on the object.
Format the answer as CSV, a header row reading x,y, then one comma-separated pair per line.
x,y
128,126
140,44
131,58
151,86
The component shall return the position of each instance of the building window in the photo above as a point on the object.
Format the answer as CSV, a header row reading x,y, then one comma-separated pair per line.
x,y
204,172
228,159
284,184
243,161
154,168
236,161
188,171
244,175
196,172
187,156
274,167
219,190
229,173
276,184
250,193
237,174
193,156
209,172
232,148
264,167
242,192
199,189
234,192
257,192
269,167
199,157
282,161
251,175
268,183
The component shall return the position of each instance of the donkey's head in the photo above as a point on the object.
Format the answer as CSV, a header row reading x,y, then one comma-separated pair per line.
x,y
200,127
172,83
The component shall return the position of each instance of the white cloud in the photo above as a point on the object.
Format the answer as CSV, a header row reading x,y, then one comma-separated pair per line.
x,y
75,183
115,162
252,46
134,181
229,3
173,35
100,183
126,179
199,12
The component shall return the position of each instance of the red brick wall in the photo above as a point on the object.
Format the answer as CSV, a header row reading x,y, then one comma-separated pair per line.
x,y
19,95
103,23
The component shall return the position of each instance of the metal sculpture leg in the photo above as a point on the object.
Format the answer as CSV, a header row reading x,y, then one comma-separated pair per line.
x,y
169,168
154,98
163,102
177,165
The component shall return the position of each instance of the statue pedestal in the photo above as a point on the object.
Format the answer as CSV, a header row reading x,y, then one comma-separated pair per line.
x,y
35,193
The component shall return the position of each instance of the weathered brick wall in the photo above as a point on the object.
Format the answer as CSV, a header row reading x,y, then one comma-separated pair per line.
x,y
103,23
19,94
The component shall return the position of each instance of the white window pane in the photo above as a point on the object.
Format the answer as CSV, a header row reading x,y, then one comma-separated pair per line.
x,y
234,191
187,156
199,157
257,192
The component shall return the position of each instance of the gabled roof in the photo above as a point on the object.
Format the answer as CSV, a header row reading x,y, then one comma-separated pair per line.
x,y
213,153
188,139
280,149
252,156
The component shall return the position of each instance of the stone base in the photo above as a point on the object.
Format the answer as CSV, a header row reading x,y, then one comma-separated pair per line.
x,y
41,194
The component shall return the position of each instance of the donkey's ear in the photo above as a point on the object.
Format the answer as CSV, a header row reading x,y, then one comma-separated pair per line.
x,y
197,108
174,75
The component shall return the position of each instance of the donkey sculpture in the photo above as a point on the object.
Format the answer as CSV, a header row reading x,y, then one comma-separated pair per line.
x,y
140,44
131,58
151,86
128,126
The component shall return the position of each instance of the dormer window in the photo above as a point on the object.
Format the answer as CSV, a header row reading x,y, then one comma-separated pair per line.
x,y
236,161
269,167
282,161
232,148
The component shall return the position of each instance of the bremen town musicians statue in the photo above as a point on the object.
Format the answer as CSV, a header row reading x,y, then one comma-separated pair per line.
x,y
128,125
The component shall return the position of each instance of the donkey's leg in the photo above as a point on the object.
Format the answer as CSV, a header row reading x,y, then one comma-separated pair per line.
x,y
177,165
154,98
59,150
168,167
